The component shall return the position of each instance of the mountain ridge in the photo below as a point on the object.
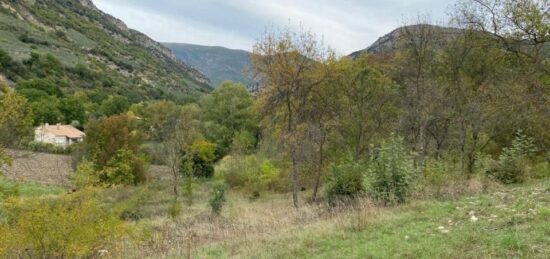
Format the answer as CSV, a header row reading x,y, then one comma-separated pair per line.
x,y
77,32
217,62
389,42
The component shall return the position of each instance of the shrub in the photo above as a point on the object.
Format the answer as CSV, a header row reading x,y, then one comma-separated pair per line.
x,y
243,142
198,159
85,175
174,209
46,148
217,198
541,170
251,172
512,165
125,168
72,226
119,169
392,169
345,181
434,179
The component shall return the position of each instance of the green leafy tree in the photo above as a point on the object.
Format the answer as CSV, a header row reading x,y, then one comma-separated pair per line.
x,y
367,108
158,118
46,110
226,112
115,146
47,85
73,109
182,133
290,66
15,119
114,105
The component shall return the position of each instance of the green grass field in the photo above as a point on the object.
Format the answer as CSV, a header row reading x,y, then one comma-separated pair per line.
x,y
27,189
510,223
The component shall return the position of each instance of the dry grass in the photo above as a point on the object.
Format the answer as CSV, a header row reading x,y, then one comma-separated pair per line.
x,y
272,228
246,226
243,224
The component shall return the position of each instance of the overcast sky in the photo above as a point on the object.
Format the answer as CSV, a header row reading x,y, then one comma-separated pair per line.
x,y
345,25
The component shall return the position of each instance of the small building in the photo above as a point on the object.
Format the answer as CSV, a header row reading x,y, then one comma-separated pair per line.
x,y
58,135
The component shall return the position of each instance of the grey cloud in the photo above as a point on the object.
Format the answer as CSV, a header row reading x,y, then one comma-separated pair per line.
x,y
346,25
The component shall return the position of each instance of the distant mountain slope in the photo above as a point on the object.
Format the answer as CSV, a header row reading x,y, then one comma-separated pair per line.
x,y
218,63
80,35
390,42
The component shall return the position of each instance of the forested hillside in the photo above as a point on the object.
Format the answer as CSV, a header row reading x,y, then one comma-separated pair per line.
x,y
77,47
218,63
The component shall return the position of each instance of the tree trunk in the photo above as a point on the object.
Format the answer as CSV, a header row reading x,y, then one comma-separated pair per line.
x,y
319,169
472,153
463,148
294,178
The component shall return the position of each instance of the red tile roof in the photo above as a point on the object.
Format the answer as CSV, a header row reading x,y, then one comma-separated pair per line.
x,y
62,130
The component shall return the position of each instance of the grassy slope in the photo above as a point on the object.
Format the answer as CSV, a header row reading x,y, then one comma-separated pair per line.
x,y
512,223
91,38
27,189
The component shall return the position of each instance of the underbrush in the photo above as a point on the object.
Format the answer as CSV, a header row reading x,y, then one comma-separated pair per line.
x,y
74,225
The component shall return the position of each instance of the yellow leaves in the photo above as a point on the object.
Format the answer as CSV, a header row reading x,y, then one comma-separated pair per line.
x,y
204,149
15,117
72,225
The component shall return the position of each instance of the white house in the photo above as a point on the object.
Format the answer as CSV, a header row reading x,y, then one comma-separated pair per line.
x,y
59,135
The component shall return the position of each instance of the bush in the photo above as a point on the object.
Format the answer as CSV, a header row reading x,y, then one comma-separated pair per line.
x,y
392,169
125,168
346,181
46,148
251,172
199,157
72,226
541,170
512,165
442,178
217,198
85,175
174,210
